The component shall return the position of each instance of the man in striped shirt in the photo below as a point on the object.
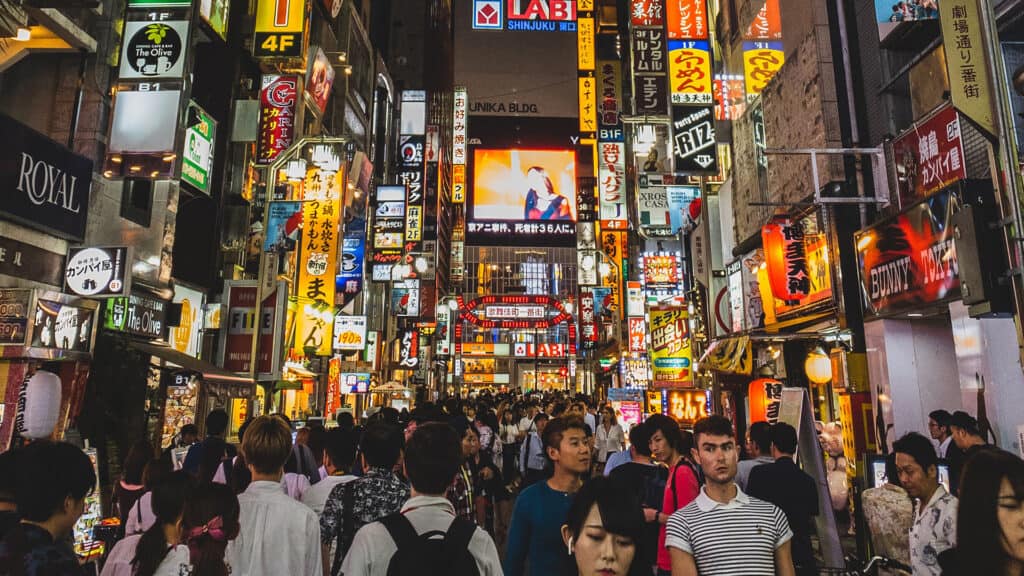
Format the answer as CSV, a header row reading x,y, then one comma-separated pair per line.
x,y
724,531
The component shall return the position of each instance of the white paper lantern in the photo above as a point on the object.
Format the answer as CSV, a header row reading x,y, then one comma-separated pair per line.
x,y
42,405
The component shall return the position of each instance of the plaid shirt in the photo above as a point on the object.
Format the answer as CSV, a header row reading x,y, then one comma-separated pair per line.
x,y
377,494
460,494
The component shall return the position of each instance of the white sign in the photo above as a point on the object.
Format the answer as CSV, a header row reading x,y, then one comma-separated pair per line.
x,y
97,272
349,332
514,312
611,171
460,132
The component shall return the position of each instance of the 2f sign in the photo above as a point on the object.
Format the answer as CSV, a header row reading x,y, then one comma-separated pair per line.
x,y
279,28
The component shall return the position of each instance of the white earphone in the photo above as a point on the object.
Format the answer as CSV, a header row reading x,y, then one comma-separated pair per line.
x,y
569,546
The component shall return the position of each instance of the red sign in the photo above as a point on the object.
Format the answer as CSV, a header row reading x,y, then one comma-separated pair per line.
x,y
333,388
240,326
929,156
785,254
687,19
588,321
475,312
647,12
661,272
637,335
767,25
910,260
527,350
559,10
765,396
278,98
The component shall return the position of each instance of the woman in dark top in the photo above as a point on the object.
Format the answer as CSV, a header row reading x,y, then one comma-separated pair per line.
x,y
131,487
542,202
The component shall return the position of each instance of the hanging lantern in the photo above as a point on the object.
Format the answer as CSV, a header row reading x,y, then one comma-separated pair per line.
x,y
818,367
763,396
786,258
42,405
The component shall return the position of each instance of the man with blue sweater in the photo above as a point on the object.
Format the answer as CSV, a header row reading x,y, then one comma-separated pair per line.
x,y
542,509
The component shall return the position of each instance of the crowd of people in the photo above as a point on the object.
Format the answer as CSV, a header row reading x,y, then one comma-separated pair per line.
x,y
505,485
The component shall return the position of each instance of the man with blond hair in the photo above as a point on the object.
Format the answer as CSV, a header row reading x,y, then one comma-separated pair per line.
x,y
279,535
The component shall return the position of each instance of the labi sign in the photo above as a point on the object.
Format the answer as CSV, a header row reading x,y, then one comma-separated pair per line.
x,y
43,184
136,315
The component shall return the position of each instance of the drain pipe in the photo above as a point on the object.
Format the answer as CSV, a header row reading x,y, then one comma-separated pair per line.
x,y
77,106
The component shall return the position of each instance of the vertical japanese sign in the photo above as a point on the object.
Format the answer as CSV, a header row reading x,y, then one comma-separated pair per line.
x,y
671,353
610,113
689,46
280,25
588,105
637,335
970,84
687,19
321,215
460,136
278,97
929,156
585,54
611,183
197,159
761,61
649,50
588,320
767,24
647,12
409,349
333,400
614,245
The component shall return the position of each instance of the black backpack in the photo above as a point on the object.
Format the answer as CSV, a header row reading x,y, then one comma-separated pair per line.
x,y
426,554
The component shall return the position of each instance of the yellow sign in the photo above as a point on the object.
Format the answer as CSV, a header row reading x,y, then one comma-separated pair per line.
x,y
671,352
280,25
690,71
970,85
413,223
318,261
761,61
588,104
458,184
585,6
585,43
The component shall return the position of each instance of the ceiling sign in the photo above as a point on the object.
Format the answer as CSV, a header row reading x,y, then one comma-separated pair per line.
x,y
476,312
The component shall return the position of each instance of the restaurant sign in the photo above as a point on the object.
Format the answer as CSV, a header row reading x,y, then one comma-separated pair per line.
x,y
929,156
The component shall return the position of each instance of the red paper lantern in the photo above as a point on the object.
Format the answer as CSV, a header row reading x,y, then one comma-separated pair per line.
x,y
763,396
786,258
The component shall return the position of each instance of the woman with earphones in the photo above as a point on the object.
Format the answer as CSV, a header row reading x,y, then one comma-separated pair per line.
x,y
604,530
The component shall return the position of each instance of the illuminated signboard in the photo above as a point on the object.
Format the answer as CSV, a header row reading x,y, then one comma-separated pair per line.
x,y
459,126
280,25
761,61
661,272
278,98
687,19
197,159
542,15
528,350
516,312
585,44
690,71
637,334
475,312
693,133
647,12
318,261
612,185
671,352
687,406
154,50
487,14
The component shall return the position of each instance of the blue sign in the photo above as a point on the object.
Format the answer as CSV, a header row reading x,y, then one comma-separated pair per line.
x,y
349,281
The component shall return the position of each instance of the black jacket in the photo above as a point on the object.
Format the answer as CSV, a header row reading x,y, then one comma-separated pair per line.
x,y
796,494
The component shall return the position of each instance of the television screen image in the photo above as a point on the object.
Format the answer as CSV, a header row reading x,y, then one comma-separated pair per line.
x,y
524,185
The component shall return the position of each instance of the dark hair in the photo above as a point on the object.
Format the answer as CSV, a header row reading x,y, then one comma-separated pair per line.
x,y
941,417
189,429
965,421
668,427
317,442
892,472
381,444
761,436
919,448
713,425
619,509
433,457
216,422
977,524
340,445
784,438
168,501
346,420
156,471
135,461
640,438
557,427
47,473
208,502
213,453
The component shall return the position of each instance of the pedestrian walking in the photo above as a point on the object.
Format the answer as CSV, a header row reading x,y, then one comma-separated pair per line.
x,y
784,484
682,485
935,510
646,481
209,524
130,487
278,535
724,531
216,425
461,493
426,537
759,449
609,437
532,462
338,453
542,508
889,514
141,516
158,551
948,451
604,531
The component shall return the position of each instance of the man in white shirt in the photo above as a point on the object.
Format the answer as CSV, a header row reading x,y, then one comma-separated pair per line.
x,y
432,458
532,461
339,454
526,422
934,528
278,534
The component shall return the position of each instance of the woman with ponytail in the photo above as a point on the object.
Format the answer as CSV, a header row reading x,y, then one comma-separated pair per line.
x,y
156,552
209,523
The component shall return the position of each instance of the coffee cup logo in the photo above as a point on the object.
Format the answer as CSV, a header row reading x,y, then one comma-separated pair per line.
x,y
154,49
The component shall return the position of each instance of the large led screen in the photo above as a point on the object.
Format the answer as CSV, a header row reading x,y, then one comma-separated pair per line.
x,y
524,185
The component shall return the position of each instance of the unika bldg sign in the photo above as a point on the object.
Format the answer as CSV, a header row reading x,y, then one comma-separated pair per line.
x,y
43,184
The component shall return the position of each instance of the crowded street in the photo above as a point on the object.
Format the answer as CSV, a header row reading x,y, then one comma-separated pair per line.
x,y
511,287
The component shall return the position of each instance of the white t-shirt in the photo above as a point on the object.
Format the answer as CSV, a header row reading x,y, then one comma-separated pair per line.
x,y
119,562
317,495
278,536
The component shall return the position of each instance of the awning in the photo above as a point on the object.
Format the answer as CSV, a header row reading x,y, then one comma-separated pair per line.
x,y
729,355
186,362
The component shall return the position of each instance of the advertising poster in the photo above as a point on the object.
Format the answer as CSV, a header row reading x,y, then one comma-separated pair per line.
x,y
661,272
187,336
61,326
636,372
690,71
215,13
629,412
349,332
671,353
321,80
284,225
278,98
524,185
890,13
154,50
197,159
355,382
317,270
405,298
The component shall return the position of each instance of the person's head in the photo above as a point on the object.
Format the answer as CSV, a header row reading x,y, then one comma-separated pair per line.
x,y
540,421
990,515
381,445
316,442
346,420
267,445
302,436
715,449
783,440
938,424
211,457
339,450
140,453
209,522
216,422
156,470
506,417
759,440
469,410
964,429
565,444
640,439
608,415
604,529
432,458
189,434
538,181
665,441
167,502
53,479
532,411
917,465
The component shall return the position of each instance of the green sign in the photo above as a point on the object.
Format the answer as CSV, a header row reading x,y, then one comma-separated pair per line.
x,y
136,315
197,159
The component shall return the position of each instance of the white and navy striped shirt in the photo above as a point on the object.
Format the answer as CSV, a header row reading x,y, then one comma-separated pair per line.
x,y
735,538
